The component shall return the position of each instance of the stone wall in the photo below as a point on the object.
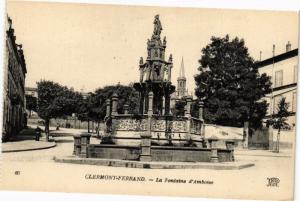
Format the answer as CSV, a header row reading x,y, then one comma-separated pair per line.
x,y
180,154
158,153
147,152
188,154
259,139
180,131
113,152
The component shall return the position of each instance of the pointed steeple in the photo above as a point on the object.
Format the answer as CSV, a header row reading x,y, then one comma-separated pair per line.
x,y
181,72
181,82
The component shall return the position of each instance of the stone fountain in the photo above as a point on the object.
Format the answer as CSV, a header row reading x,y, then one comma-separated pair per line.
x,y
155,134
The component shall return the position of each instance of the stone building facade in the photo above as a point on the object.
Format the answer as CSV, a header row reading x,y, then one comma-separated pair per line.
x,y
283,69
31,91
14,114
181,94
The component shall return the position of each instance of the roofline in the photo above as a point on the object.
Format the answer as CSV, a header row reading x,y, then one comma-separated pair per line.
x,y
285,86
18,52
277,58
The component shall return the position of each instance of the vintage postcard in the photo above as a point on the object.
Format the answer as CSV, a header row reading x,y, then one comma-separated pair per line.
x,y
142,100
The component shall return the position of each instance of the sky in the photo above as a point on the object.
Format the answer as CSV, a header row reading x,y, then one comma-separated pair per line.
x,y
87,46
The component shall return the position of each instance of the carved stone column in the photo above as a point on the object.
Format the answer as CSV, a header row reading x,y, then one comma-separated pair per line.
x,y
85,141
201,105
77,145
188,106
141,74
185,110
126,107
246,135
163,106
107,108
150,103
141,69
145,147
115,99
169,72
170,67
214,151
230,147
146,137
188,115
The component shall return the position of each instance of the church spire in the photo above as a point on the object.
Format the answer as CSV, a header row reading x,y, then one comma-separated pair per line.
x,y
181,82
181,72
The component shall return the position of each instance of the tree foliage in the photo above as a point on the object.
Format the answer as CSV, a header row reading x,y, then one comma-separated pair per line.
x,y
84,107
55,101
179,109
97,101
279,120
230,85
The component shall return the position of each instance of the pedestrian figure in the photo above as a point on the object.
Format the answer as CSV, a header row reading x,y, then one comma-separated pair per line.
x,y
37,133
97,131
57,127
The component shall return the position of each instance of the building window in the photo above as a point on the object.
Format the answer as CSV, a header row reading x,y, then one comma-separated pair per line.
x,y
295,73
294,102
278,78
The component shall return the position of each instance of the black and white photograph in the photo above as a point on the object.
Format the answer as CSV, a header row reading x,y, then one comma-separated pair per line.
x,y
149,100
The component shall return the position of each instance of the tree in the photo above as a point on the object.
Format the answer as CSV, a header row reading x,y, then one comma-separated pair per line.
x,y
230,85
84,109
279,119
179,108
55,101
31,103
127,95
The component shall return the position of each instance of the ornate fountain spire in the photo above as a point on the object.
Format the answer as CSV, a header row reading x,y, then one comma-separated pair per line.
x,y
156,46
155,73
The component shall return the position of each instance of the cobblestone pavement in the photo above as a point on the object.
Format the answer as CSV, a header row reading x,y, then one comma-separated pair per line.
x,y
25,142
27,145
64,145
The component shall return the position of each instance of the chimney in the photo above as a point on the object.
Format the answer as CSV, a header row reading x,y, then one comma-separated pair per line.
x,y
288,46
260,52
